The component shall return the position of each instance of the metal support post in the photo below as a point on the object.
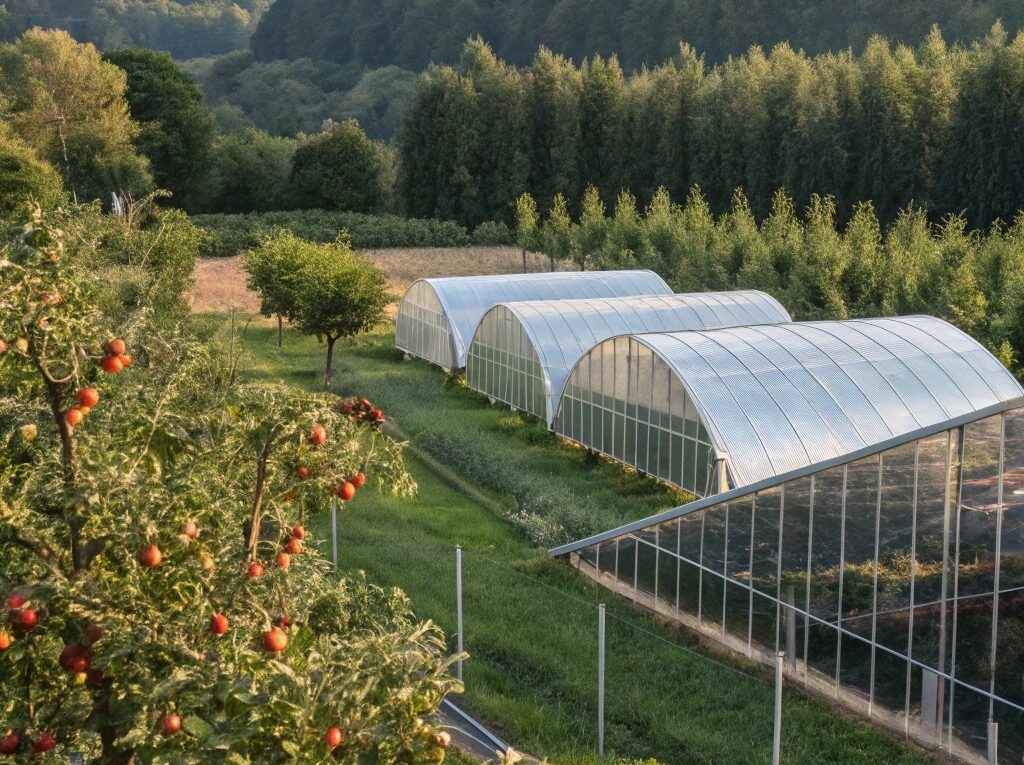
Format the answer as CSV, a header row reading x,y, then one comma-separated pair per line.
x,y
780,666
600,681
458,609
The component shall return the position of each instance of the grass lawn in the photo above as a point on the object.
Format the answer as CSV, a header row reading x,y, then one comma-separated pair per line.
x,y
530,622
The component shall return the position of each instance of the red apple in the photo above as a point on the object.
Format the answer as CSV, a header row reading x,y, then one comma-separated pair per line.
x,y
14,602
299,533
125,359
293,546
334,737
26,619
283,621
73,416
346,491
3,347
75,658
274,640
190,530
302,472
254,570
219,624
10,743
318,436
5,641
284,560
358,480
44,743
88,397
115,347
170,724
151,557
111,364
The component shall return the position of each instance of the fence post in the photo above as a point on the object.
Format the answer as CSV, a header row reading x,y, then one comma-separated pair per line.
x,y
600,681
334,532
993,743
458,608
780,665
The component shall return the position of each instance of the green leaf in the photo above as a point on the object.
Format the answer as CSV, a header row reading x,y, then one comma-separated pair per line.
x,y
198,727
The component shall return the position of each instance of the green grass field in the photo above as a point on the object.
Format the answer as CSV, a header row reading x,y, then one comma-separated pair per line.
x,y
530,622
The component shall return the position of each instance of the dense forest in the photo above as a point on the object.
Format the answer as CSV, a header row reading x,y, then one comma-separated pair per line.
x,y
287,97
184,28
415,33
938,125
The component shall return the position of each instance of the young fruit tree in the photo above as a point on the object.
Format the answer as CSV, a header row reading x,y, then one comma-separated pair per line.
x,y
144,618
271,269
333,291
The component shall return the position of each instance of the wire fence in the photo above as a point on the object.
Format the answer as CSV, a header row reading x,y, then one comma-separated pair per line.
x,y
655,694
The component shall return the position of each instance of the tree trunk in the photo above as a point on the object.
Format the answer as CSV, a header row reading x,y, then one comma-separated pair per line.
x,y
524,260
279,330
257,502
329,372
552,259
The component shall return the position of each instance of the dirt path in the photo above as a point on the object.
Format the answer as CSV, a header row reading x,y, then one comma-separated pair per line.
x,y
220,282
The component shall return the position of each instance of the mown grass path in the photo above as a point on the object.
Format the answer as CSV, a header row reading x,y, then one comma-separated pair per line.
x,y
530,622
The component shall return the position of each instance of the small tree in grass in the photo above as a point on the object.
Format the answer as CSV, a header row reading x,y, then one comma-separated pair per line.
x,y
527,225
271,268
328,290
338,293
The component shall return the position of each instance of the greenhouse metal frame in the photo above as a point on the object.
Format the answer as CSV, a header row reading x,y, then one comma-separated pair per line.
x,y
710,410
437,318
522,352
892,578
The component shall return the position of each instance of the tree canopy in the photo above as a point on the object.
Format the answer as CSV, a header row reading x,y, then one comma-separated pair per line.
x,y
69,105
339,169
24,176
413,35
176,132
184,28
937,125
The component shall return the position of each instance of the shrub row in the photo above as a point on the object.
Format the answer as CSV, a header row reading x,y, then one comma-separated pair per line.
x,y
229,234
547,513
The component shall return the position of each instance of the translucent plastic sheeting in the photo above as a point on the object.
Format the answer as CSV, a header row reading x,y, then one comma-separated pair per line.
x,y
437,317
539,342
767,400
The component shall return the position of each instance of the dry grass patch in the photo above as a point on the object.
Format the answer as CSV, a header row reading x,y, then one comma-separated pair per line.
x,y
220,282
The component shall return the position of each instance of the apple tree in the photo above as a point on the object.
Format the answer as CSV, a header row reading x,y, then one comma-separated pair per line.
x,y
163,598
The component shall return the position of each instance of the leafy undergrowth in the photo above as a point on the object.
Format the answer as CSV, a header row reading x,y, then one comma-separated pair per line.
x,y
530,622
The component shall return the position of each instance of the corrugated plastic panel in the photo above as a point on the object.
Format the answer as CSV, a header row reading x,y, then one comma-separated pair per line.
x,y
562,331
465,299
778,397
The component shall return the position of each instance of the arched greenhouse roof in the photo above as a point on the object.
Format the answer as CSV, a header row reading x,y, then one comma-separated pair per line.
x,y
562,331
465,299
776,398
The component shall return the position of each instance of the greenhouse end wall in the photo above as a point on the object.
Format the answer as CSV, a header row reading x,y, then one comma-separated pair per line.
x,y
421,326
624,401
894,583
502,364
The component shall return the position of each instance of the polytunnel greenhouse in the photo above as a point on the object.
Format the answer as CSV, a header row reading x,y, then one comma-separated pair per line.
x,y
523,352
437,317
714,409
875,533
